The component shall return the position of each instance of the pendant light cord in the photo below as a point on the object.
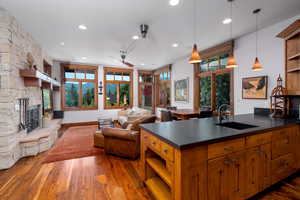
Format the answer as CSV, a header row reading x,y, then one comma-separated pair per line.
x,y
194,20
231,20
256,50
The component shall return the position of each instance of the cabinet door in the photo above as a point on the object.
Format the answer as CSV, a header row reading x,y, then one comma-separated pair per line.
x,y
282,141
257,176
226,177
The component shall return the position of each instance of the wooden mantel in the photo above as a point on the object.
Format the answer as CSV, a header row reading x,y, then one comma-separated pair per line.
x,y
35,78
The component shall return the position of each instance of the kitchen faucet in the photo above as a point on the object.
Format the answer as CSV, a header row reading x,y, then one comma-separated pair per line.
x,y
222,112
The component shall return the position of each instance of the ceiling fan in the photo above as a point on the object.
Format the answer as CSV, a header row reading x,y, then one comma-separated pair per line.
x,y
123,54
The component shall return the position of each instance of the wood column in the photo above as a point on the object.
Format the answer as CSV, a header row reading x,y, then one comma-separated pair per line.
x,y
196,86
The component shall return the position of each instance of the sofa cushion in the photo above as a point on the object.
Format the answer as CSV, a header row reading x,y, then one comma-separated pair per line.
x,y
122,119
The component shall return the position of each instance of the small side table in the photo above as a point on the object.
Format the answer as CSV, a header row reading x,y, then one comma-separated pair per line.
x,y
107,122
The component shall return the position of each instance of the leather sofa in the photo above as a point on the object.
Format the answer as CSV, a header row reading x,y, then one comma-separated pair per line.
x,y
125,142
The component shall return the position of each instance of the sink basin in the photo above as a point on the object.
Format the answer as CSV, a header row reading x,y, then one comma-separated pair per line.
x,y
236,125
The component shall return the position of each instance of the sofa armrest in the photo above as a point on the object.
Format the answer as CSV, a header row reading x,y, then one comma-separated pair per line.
x,y
119,133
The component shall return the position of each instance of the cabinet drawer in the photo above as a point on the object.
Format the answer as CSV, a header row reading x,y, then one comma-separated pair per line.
x,y
167,151
226,147
255,140
145,137
282,142
154,143
282,167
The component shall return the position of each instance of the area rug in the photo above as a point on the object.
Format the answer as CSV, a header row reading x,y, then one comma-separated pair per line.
x,y
76,142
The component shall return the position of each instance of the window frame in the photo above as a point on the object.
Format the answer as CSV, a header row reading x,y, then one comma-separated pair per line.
x,y
140,84
119,70
79,81
213,75
213,52
159,83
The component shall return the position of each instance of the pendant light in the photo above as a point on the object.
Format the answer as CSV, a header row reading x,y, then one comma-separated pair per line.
x,y
231,61
256,66
195,58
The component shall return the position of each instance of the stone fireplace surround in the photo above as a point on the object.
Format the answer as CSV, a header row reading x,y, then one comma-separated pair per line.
x,y
15,44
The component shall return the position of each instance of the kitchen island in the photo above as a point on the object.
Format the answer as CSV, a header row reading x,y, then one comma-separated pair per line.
x,y
200,159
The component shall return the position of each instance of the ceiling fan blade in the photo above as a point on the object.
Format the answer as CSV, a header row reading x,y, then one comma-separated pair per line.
x,y
128,64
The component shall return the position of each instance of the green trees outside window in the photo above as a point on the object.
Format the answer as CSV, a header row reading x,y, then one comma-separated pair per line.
x,y
118,86
80,87
47,99
72,94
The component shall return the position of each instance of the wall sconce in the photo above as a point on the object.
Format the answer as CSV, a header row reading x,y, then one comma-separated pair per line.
x,y
100,88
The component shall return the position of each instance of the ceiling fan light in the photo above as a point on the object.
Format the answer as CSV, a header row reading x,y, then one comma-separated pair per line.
x,y
195,58
257,66
231,62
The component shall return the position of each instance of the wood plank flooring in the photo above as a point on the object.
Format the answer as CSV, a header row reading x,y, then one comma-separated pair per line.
x,y
100,177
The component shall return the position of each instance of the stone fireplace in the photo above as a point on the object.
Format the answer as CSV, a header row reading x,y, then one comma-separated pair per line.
x,y
22,132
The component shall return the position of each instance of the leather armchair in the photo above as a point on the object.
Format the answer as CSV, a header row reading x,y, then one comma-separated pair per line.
x,y
125,142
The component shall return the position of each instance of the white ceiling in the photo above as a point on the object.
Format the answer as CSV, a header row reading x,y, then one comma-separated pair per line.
x,y
112,23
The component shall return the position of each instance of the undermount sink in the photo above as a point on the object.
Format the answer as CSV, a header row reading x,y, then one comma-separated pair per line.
x,y
236,125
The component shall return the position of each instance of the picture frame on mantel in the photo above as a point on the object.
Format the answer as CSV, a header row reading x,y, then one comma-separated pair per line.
x,y
181,88
255,87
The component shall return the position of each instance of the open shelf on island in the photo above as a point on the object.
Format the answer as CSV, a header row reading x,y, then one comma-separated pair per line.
x,y
35,78
294,56
159,167
158,188
293,69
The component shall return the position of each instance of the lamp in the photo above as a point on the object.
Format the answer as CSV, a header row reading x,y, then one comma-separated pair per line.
x,y
257,66
231,61
195,58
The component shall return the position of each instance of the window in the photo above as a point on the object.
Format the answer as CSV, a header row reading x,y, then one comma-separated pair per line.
x,y
215,83
79,90
117,88
146,90
163,86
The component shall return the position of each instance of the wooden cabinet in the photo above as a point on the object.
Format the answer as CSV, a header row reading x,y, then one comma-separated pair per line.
x,y
282,167
258,164
226,147
226,177
229,170
291,35
282,142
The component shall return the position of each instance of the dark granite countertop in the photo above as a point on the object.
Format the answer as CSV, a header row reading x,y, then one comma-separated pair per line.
x,y
188,133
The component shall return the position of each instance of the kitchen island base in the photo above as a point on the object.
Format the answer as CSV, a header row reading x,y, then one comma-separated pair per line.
x,y
230,169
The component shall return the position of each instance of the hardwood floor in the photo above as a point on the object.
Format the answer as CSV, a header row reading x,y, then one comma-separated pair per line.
x,y
100,177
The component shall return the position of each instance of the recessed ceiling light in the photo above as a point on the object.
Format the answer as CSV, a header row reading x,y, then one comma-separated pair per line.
x,y
62,44
135,37
175,45
82,27
227,21
83,58
173,2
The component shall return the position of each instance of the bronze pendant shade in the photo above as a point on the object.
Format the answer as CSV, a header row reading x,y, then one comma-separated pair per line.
x,y
195,58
